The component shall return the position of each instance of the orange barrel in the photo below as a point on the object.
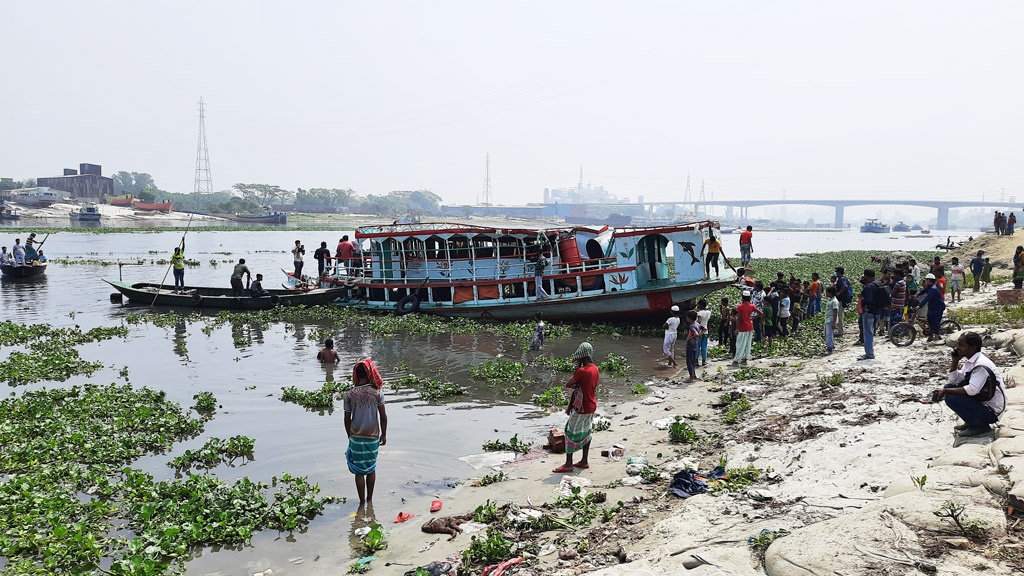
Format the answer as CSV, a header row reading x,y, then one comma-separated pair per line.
x,y
568,250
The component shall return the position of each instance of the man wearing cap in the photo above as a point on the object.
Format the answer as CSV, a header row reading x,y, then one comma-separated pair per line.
x,y
931,297
671,327
977,265
747,313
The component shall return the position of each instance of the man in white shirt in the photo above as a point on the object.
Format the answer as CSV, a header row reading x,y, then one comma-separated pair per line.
x,y
970,393
669,346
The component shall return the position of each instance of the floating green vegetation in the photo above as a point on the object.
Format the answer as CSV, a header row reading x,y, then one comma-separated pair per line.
x,y
498,369
89,424
319,399
556,363
69,506
551,398
431,390
51,354
487,550
206,403
513,445
213,453
614,364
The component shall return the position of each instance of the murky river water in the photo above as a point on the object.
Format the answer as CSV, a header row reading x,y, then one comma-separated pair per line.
x,y
424,440
246,375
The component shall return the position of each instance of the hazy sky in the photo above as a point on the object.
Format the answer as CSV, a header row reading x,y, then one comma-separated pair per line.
x,y
879,99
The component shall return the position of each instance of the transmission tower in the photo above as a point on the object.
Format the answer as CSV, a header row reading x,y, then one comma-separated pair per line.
x,y
579,187
487,181
204,182
686,196
701,199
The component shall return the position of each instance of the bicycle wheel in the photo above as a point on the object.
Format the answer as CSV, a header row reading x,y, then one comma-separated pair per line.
x,y
949,326
902,334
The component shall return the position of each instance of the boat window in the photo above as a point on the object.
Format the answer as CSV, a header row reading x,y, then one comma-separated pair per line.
x,y
436,248
509,247
458,246
414,249
483,247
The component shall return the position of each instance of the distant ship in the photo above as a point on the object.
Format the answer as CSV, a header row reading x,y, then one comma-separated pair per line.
x,y
874,226
916,227
901,227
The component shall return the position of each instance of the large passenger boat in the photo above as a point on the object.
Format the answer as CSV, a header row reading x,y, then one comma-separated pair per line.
x,y
461,270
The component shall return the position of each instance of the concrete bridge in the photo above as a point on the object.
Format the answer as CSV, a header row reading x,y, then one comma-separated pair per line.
x,y
943,206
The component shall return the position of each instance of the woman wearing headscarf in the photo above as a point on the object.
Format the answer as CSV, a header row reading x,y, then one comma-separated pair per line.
x,y
1018,268
366,424
582,406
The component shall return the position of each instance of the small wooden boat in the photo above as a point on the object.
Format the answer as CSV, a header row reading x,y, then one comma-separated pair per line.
x,y
124,200
9,212
222,298
88,213
32,269
265,218
160,206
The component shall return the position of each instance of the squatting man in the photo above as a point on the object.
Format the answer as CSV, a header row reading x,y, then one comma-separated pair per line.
x,y
975,392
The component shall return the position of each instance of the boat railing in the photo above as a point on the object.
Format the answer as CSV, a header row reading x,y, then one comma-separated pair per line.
x,y
371,269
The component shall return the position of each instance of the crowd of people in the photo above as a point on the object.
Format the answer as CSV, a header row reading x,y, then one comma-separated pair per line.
x,y
1004,224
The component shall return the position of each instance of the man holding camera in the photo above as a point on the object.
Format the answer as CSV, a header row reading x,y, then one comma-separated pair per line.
x,y
297,253
975,392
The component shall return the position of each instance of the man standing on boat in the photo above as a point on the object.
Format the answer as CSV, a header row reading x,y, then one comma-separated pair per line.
x,y
5,257
746,245
297,253
321,255
236,277
538,275
18,252
178,265
714,247
344,253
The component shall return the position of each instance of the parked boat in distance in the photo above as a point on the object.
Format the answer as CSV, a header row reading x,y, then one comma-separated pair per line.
x,y
901,227
461,270
41,196
874,226
89,212
124,200
916,227
9,212
926,231
264,218
152,206
222,298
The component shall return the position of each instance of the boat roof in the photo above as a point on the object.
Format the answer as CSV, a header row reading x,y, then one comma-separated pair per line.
x,y
451,228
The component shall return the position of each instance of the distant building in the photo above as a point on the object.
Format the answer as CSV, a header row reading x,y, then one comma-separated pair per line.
x,y
87,183
588,195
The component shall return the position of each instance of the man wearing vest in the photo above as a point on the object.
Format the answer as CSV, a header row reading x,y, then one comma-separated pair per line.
x,y
975,392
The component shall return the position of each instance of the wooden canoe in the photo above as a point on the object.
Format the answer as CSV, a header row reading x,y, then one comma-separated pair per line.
x,y
222,298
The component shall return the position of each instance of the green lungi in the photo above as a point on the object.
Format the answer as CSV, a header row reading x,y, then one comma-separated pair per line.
x,y
362,455
577,431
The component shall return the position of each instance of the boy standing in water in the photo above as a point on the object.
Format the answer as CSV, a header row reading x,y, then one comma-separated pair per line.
x,y
326,356
366,424
538,332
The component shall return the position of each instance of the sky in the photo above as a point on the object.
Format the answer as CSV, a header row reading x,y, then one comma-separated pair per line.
x,y
813,99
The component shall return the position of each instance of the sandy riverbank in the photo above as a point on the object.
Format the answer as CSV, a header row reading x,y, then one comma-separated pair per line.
x,y
841,459
61,211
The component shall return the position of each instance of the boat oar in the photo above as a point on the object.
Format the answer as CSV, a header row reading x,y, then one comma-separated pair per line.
x,y
161,286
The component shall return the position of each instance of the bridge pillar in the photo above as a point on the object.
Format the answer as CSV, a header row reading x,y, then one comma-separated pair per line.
x,y
839,217
942,222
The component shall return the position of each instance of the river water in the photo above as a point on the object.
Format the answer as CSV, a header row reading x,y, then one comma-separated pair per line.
x,y
247,370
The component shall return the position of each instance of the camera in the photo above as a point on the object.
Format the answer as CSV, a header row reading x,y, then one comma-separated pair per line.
x,y
935,397
302,249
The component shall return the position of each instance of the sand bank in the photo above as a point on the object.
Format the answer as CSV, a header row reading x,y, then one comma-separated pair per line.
x,y
841,459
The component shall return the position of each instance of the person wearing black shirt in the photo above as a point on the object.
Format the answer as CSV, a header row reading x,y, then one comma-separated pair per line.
x,y
321,255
